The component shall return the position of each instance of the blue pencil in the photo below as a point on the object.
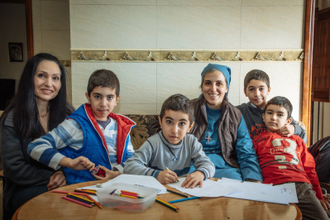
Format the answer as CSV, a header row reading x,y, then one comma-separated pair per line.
x,y
182,200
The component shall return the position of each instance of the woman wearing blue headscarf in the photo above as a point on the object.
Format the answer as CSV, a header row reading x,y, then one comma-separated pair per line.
x,y
221,128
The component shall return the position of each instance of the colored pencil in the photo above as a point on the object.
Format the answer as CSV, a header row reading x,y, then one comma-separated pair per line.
x,y
96,203
130,194
133,193
66,192
83,191
182,200
127,196
167,205
180,194
113,191
75,201
80,200
71,194
93,190
169,170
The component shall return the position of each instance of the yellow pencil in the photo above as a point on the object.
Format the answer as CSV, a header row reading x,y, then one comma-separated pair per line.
x,y
80,197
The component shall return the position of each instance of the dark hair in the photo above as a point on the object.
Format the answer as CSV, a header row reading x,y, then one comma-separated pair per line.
x,y
26,114
211,71
257,75
103,78
178,102
281,101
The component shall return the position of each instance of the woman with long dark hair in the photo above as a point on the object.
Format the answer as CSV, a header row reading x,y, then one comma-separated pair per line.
x,y
39,105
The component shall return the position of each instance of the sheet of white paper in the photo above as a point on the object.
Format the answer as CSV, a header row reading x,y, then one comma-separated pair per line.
x,y
148,181
209,189
282,194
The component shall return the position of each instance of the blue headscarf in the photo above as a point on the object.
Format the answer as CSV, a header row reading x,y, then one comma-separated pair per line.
x,y
222,68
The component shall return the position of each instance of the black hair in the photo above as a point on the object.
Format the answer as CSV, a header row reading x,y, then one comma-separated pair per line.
x,y
178,102
283,102
103,78
24,106
257,75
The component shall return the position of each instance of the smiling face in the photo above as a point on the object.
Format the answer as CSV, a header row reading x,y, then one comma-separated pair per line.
x,y
102,101
275,117
214,88
257,92
175,125
47,81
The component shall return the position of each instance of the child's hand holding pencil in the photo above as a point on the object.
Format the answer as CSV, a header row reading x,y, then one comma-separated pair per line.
x,y
167,176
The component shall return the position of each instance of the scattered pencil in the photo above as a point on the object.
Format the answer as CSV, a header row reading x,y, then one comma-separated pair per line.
x,y
66,192
71,194
96,203
180,194
75,201
182,200
84,191
166,204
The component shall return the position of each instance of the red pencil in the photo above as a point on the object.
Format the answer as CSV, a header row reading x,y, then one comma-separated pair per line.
x,y
75,201
66,192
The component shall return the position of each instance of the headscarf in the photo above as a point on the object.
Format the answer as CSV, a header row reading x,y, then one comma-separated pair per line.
x,y
225,70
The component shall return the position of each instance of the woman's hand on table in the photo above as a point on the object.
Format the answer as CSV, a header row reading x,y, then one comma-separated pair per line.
x,y
194,179
167,176
56,180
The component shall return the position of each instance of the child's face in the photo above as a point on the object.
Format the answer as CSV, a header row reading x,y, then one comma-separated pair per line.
x,y
102,100
175,125
214,88
257,92
275,117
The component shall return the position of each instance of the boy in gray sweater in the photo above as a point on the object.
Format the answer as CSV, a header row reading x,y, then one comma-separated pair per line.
x,y
170,153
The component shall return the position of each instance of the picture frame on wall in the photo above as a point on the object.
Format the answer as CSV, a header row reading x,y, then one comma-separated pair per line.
x,y
15,52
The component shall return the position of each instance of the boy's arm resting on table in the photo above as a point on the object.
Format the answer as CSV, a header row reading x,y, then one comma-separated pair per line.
x,y
45,149
246,154
137,164
14,164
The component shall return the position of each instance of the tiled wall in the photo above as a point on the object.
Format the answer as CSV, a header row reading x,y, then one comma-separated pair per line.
x,y
239,25
51,31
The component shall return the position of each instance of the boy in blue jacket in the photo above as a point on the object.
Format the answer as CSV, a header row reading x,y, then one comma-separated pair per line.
x,y
91,135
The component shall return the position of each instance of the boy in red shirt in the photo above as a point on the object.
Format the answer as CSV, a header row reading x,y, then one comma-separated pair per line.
x,y
287,159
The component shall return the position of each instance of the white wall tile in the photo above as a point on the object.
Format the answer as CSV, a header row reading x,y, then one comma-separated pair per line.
x,y
285,80
113,26
137,81
200,2
143,109
57,43
272,27
184,27
55,15
273,3
113,2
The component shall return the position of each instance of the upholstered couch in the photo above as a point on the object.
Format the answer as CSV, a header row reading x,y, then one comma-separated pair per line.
x,y
146,126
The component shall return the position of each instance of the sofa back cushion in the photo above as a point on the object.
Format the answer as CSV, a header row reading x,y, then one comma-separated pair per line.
x,y
146,126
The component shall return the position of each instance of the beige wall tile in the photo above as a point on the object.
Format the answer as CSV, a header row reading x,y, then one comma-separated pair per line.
x,y
272,27
113,26
55,15
145,109
113,2
36,15
200,2
56,43
188,27
273,3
